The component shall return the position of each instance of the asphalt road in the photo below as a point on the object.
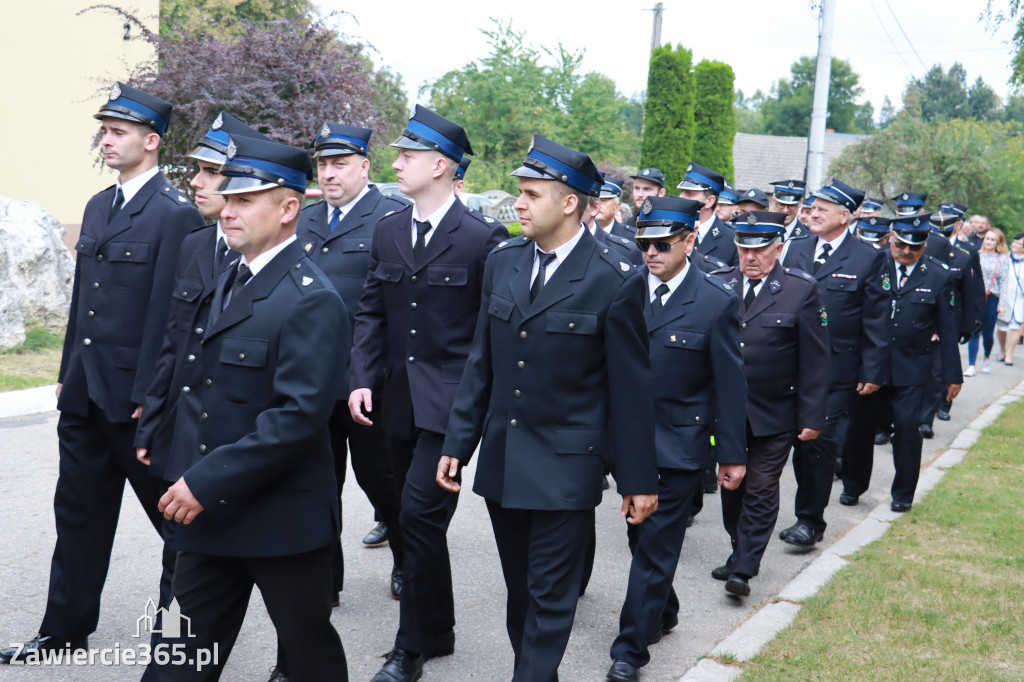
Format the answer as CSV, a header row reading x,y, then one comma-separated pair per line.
x,y
367,617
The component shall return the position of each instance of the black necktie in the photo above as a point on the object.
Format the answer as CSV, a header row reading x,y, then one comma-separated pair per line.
x,y
659,293
218,256
538,281
242,275
903,277
820,260
696,242
748,299
421,238
335,219
115,208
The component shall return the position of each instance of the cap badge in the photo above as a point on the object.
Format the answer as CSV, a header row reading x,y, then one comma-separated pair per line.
x,y
906,196
325,131
647,207
645,171
828,183
791,184
218,122
751,193
532,145
689,168
623,266
872,221
917,222
115,91
232,149
751,219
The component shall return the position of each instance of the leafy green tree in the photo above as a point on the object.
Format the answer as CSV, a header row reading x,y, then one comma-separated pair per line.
x,y
1013,12
787,111
669,112
977,163
749,118
594,121
221,17
943,95
714,116
886,114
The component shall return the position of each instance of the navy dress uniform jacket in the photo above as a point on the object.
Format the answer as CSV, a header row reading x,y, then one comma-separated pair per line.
x,y
623,230
408,328
698,374
168,411
123,271
540,390
785,344
925,305
857,307
621,245
344,254
269,362
719,242
965,281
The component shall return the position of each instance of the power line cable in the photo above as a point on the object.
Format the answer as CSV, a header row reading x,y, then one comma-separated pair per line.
x,y
900,26
891,41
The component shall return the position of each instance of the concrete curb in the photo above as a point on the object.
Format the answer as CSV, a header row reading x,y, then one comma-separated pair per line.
x,y
747,640
28,401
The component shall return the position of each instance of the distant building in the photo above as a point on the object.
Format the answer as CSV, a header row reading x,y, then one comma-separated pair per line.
x,y
58,67
760,160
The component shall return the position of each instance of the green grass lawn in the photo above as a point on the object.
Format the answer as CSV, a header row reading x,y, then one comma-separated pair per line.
x,y
939,597
33,363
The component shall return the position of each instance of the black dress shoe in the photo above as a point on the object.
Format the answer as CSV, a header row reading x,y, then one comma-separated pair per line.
x,y
622,672
710,488
605,485
721,573
336,600
804,536
881,437
377,537
400,666
443,646
278,675
901,506
926,431
396,583
839,467
784,533
41,642
737,584
943,415
664,628
689,520
848,500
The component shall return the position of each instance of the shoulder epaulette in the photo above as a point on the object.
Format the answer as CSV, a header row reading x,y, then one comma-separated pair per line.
x,y
719,282
615,261
306,278
511,243
174,195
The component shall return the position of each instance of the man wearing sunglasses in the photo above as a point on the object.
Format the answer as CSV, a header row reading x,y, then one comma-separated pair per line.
x,y
921,307
698,389
784,340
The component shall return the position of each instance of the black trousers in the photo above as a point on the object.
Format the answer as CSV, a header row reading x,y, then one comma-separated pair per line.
x,y
371,464
907,402
97,456
542,555
867,412
427,607
935,398
213,593
814,462
656,545
749,513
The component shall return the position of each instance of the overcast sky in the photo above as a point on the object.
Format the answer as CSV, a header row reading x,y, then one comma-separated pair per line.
x,y
760,40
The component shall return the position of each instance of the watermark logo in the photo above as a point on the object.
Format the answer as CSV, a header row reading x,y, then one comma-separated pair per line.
x,y
161,624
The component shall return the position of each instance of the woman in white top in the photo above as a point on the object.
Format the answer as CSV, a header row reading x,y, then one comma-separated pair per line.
x,y
1011,297
994,269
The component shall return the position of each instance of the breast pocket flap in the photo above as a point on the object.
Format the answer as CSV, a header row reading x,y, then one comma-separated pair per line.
x,y
568,322
244,352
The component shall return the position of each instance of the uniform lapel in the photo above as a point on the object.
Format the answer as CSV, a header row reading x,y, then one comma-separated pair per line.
x,y
259,287
357,215
834,261
765,299
441,240
676,305
126,217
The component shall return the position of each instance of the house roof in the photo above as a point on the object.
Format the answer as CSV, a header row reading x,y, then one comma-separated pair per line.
x,y
759,160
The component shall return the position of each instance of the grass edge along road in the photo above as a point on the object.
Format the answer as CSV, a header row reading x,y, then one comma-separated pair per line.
x,y
939,597
34,363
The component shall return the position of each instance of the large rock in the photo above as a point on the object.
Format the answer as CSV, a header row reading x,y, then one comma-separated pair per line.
x,y
36,271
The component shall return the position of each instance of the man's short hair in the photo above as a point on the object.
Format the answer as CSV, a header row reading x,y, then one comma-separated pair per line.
x,y
563,190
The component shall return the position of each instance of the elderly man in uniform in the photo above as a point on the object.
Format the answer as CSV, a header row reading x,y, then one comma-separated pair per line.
x,y
848,272
922,320
562,324
714,236
609,199
260,505
697,379
336,234
784,339
414,328
124,270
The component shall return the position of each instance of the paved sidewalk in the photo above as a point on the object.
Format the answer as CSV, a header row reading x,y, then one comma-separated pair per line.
x,y
367,617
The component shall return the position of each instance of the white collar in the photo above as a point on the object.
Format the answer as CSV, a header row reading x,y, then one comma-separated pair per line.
x,y
434,218
673,284
347,207
562,252
262,260
702,228
834,243
132,187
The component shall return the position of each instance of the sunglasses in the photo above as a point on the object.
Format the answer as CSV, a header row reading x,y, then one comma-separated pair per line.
x,y
660,247
901,246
